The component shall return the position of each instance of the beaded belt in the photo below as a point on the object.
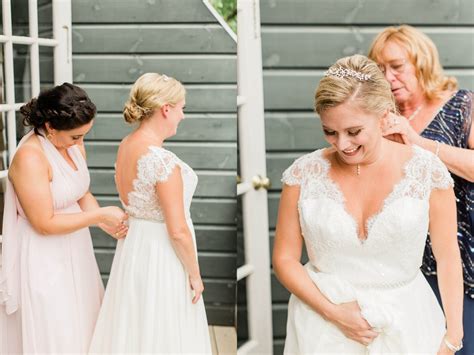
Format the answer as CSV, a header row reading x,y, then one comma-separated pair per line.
x,y
384,286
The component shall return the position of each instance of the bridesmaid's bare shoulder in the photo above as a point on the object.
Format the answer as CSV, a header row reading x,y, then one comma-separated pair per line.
x,y
29,158
30,150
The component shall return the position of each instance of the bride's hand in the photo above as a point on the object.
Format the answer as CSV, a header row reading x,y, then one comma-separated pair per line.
x,y
197,286
349,320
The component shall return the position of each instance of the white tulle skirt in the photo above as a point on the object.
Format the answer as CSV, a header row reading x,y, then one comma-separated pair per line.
x,y
408,317
147,305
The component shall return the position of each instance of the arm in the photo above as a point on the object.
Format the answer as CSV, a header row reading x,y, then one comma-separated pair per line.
x,y
290,272
30,165
287,254
459,161
89,203
443,231
170,195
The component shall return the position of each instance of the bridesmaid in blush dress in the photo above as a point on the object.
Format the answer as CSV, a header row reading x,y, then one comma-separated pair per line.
x,y
50,286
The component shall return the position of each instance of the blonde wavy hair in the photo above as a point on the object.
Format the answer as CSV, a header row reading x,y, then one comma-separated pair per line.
x,y
372,95
422,53
150,92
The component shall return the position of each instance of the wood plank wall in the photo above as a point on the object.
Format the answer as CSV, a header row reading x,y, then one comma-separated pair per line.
x,y
301,38
113,43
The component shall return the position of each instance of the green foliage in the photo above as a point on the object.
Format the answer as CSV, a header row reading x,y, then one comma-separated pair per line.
x,y
228,10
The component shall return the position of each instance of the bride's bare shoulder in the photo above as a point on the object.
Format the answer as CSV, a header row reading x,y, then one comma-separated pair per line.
x,y
402,152
128,154
132,147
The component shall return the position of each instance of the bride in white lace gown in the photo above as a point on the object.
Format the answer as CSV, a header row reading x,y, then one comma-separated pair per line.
x,y
153,302
363,208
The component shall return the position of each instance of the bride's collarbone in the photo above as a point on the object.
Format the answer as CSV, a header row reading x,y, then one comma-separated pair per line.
x,y
364,197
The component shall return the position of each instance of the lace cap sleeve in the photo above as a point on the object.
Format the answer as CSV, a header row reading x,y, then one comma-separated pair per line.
x,y
309,166
293,175
440,176
156,166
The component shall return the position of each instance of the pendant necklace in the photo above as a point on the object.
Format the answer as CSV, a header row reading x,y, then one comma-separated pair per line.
x,y
413,115
358,165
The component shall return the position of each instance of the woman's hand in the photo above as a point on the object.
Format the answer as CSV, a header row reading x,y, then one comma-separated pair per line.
x,y
444,350
197,286
117,233
113,217
398,129
349,320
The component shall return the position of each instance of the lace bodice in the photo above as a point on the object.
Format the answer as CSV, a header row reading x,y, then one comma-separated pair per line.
x,y
393,250
153,167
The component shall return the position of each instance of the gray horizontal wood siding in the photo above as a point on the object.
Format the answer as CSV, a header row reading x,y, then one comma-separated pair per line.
x,y
114,42
356,12
300,39
139,11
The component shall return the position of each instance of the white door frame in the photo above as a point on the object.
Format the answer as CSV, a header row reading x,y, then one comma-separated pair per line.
x,y
61,42
254,181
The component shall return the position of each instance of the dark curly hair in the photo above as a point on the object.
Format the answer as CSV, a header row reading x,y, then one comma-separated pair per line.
x,y
65,107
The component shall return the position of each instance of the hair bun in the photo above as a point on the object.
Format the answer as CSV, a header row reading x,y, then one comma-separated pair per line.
x,y
31,115
134,113
150,92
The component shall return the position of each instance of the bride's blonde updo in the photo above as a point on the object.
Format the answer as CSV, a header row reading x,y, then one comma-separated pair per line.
x,y
355,78
150,92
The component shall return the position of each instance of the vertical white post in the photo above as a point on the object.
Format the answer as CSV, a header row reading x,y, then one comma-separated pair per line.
x,y
34,48
62,29
9,78
252,163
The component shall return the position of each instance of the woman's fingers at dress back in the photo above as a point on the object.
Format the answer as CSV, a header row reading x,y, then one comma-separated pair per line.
x,y
117,233
113,216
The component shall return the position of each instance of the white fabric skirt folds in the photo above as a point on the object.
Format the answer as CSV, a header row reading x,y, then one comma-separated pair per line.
x,y
147,306
408,317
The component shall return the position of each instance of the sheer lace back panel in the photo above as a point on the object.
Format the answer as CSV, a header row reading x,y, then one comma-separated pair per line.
x,y
393,250
153,167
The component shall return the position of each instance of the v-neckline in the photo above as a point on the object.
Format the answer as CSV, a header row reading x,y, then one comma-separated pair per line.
x,y
369,222
74,168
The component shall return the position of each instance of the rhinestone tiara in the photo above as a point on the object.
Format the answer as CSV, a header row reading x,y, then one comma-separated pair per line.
x,y
344,73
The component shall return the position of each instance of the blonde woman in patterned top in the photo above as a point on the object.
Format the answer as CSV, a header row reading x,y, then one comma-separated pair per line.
x,y
437,116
